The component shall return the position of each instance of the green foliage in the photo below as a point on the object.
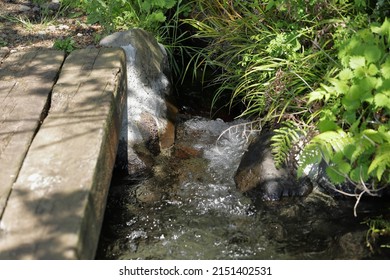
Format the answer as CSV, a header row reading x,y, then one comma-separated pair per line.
x,y
67,44
265,58
354,124
123,14
378,234
284,140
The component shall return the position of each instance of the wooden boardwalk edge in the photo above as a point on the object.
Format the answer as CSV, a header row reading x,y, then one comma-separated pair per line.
x,y
26,81
57,203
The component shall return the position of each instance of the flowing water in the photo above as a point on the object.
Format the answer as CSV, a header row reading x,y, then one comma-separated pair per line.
x,y
190,209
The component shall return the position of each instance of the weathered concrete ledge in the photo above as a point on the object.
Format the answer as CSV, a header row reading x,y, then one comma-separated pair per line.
x,y
56,206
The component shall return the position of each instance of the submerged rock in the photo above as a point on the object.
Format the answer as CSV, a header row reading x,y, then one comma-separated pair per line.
x,y
257,170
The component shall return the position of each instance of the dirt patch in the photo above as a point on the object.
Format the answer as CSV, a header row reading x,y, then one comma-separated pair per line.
x,y
25,25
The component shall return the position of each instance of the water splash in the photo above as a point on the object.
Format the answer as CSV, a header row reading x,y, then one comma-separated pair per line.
x,y
203,216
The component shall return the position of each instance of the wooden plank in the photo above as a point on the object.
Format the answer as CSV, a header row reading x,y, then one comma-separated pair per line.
x,y
26,80
56,208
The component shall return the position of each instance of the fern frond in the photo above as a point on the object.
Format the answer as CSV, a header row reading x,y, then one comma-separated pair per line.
x,y
323,146
381,162
283,141
363,144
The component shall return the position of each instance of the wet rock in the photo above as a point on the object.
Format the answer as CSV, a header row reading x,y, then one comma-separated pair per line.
x,y
292,211
148,194
352,246
276,231
186,152
146,116
257,170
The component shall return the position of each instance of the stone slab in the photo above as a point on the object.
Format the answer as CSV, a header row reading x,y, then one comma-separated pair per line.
x,y
57,204
148,118
26,81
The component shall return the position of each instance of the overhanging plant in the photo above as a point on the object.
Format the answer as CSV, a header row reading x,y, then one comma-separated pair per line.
x,y
354,129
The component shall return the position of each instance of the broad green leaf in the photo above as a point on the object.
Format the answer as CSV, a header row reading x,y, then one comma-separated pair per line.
x,y
372,70
372,53
360,72
382,99
357,61
346,74
354,93
340,86
350,104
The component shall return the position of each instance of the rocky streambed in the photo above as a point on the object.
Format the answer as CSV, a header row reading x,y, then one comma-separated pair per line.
x,y
189,207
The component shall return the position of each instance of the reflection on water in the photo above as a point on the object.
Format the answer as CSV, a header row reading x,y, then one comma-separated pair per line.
x,y
191,209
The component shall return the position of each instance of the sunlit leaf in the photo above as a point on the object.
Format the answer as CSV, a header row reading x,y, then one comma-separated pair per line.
x,y
372,70
357,61
382,99
346,74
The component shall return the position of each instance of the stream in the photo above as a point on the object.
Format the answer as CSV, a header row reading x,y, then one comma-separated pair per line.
x,y
190,209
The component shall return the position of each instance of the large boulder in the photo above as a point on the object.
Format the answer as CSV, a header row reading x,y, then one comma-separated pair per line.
x,y
148,122
257,172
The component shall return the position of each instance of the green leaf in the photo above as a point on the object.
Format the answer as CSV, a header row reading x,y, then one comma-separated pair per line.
x,y
349,116
385,68
381,162
383,30
357,61
346,74
373,135
339,85
349,150
372,53
334,176
359,173
327,125
382,99
362,146
317,95
360,72
372,70
350,104
146,6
